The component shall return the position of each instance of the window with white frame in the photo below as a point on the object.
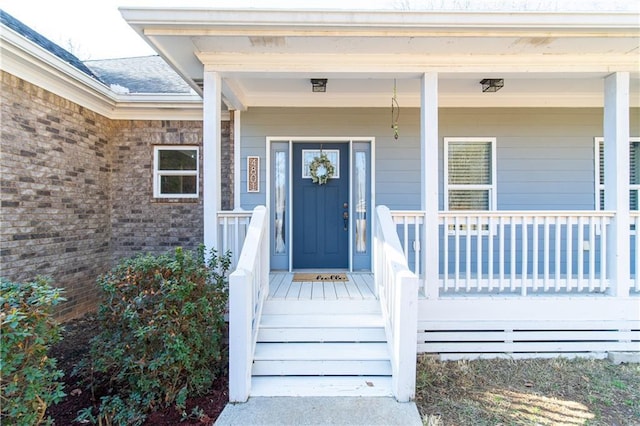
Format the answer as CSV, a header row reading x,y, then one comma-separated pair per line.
x,y
634,173
470,173
175,172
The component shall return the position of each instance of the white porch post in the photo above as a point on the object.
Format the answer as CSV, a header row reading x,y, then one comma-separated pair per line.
x,y
429,181
236,160
616,179
211,156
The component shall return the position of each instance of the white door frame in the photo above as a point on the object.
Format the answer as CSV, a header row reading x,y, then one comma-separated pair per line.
x,y
316,139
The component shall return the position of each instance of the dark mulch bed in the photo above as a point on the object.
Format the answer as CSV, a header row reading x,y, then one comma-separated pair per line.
x,y
69,352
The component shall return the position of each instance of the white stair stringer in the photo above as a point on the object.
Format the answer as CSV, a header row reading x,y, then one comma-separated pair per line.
x,y
321,349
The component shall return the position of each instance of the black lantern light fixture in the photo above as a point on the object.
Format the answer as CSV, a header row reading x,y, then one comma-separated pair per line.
x,y
492,84
318,84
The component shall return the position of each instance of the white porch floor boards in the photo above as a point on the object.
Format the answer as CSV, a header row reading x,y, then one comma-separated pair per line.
x,y
359,286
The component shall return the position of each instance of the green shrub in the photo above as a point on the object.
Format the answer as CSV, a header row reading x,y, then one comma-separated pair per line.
x,y
162,322
29,379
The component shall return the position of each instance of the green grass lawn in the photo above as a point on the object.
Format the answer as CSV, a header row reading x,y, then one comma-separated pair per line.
x,y
528,392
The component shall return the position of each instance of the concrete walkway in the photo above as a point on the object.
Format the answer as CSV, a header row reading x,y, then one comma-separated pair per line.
x,y
283,411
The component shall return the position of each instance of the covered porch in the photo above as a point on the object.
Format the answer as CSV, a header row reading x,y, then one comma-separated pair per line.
x,y
529,259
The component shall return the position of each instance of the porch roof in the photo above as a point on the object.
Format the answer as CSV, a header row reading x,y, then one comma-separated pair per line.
x,y
266,57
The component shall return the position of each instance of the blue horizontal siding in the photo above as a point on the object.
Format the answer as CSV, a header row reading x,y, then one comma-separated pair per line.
x,y
545,157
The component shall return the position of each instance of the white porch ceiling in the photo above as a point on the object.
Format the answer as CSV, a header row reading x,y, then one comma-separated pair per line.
x,y
267,57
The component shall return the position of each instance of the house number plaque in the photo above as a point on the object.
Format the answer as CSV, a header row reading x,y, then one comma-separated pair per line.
x,y
253,174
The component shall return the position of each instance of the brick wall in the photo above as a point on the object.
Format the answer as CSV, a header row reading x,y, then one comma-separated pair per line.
x,y
140,223
55,192
76,191
226,165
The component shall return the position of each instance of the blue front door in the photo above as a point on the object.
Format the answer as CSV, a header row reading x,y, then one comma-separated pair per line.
x,y
320,212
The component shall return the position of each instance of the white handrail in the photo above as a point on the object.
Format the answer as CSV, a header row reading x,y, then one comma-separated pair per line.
x,y
248,288
397,288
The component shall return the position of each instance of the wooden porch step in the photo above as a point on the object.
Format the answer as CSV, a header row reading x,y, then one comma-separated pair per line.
x,y
321,351
372,386
321,328
314,334
321,368
321,359
317,321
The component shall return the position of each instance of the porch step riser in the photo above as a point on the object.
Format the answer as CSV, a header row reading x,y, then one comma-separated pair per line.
x,y
322,335
327,307
321,351
321,368
321,321
365,386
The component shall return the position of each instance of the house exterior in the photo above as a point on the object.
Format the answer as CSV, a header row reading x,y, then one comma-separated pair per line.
x,y
497,223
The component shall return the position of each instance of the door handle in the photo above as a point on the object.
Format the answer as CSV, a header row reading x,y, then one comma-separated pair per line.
x,y
345,217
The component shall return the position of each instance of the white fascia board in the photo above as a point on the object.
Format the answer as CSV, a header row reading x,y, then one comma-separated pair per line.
x,y
206,21
32,63
158,107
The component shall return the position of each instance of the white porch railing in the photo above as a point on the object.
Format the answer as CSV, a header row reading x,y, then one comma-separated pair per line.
x,y
635,249
248,288
397,288
515,252
232,230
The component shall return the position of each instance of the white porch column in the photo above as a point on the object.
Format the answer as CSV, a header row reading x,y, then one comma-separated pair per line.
x,y
616,179
211,156
236,160
429,180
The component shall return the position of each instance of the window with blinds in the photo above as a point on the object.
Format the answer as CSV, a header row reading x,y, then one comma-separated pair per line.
x,y
470,173
634,173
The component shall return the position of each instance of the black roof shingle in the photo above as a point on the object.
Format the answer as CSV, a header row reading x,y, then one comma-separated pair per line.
x,y
144,74
45,43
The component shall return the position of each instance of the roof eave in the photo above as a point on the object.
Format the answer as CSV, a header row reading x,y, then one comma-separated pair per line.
x,y
30,62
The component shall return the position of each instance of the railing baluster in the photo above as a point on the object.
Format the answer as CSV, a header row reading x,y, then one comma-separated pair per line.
x,y
592,254
558,235
502,248
535,270
490,254
417,247
456,234
478,254
512,254
467,280
603,253
525,255
546,255
225,232
445,254
236,240
636,221
580,253
569,256
405,241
